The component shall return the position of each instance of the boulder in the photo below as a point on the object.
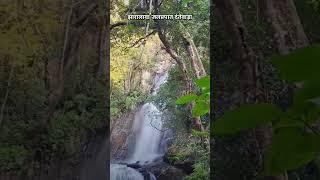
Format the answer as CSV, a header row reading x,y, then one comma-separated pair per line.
x,y
171,173
186,164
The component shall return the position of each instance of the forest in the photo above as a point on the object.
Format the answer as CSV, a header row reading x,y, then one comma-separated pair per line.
x,y
231,94
265,89
53,80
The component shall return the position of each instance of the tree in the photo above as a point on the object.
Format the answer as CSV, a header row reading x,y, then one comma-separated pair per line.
x,y
288,35
285,22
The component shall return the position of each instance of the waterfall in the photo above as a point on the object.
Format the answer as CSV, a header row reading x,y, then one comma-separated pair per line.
x,y
149,137
122,172
148,122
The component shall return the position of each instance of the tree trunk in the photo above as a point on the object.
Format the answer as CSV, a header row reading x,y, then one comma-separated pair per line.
x,y
194,55
58,69
250,85
5,99
196,121
287,28
107,50
102,48
285,22
181,64
198,69
242,53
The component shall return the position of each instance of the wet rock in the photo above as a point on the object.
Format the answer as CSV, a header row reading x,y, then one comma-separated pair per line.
x,y
171,173
160,170
120,131
135,165
186,164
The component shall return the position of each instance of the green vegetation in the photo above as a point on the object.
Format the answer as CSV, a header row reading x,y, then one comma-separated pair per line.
x,y
202,101
265,119
52,94
184,46
196,146
265,111
295,123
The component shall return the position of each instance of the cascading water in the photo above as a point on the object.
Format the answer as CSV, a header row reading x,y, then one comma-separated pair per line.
x,y
149,135
149,138
122,172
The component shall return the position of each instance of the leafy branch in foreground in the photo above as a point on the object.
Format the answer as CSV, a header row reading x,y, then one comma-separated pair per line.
x,y
295,140
201,107
202,100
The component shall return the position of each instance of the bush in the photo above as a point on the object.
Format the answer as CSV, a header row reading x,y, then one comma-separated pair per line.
x,y
12,157
122,102
200,172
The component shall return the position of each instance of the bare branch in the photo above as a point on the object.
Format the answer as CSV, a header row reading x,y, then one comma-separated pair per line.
x,y
6,95
117,24
161,130
142,39
66,41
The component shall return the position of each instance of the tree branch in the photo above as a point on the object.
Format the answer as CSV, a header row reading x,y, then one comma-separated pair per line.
x,y
142,39
66,42
6,95
117,24
156,128
85,15
179,60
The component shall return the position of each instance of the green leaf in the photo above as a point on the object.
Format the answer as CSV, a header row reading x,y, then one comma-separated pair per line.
x,y
204,97
201,108
185,2
301,64
203,83
303,97
313,115
310,90
130,27
245,117
287,122
206,91
186,99
298,110
289,150
199,133
315,101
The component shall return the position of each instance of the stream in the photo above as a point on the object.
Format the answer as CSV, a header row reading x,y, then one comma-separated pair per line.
x,y
150,141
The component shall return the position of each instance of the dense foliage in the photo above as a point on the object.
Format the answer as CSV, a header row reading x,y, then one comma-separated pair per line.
x,y
32,44
296,122
284,109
